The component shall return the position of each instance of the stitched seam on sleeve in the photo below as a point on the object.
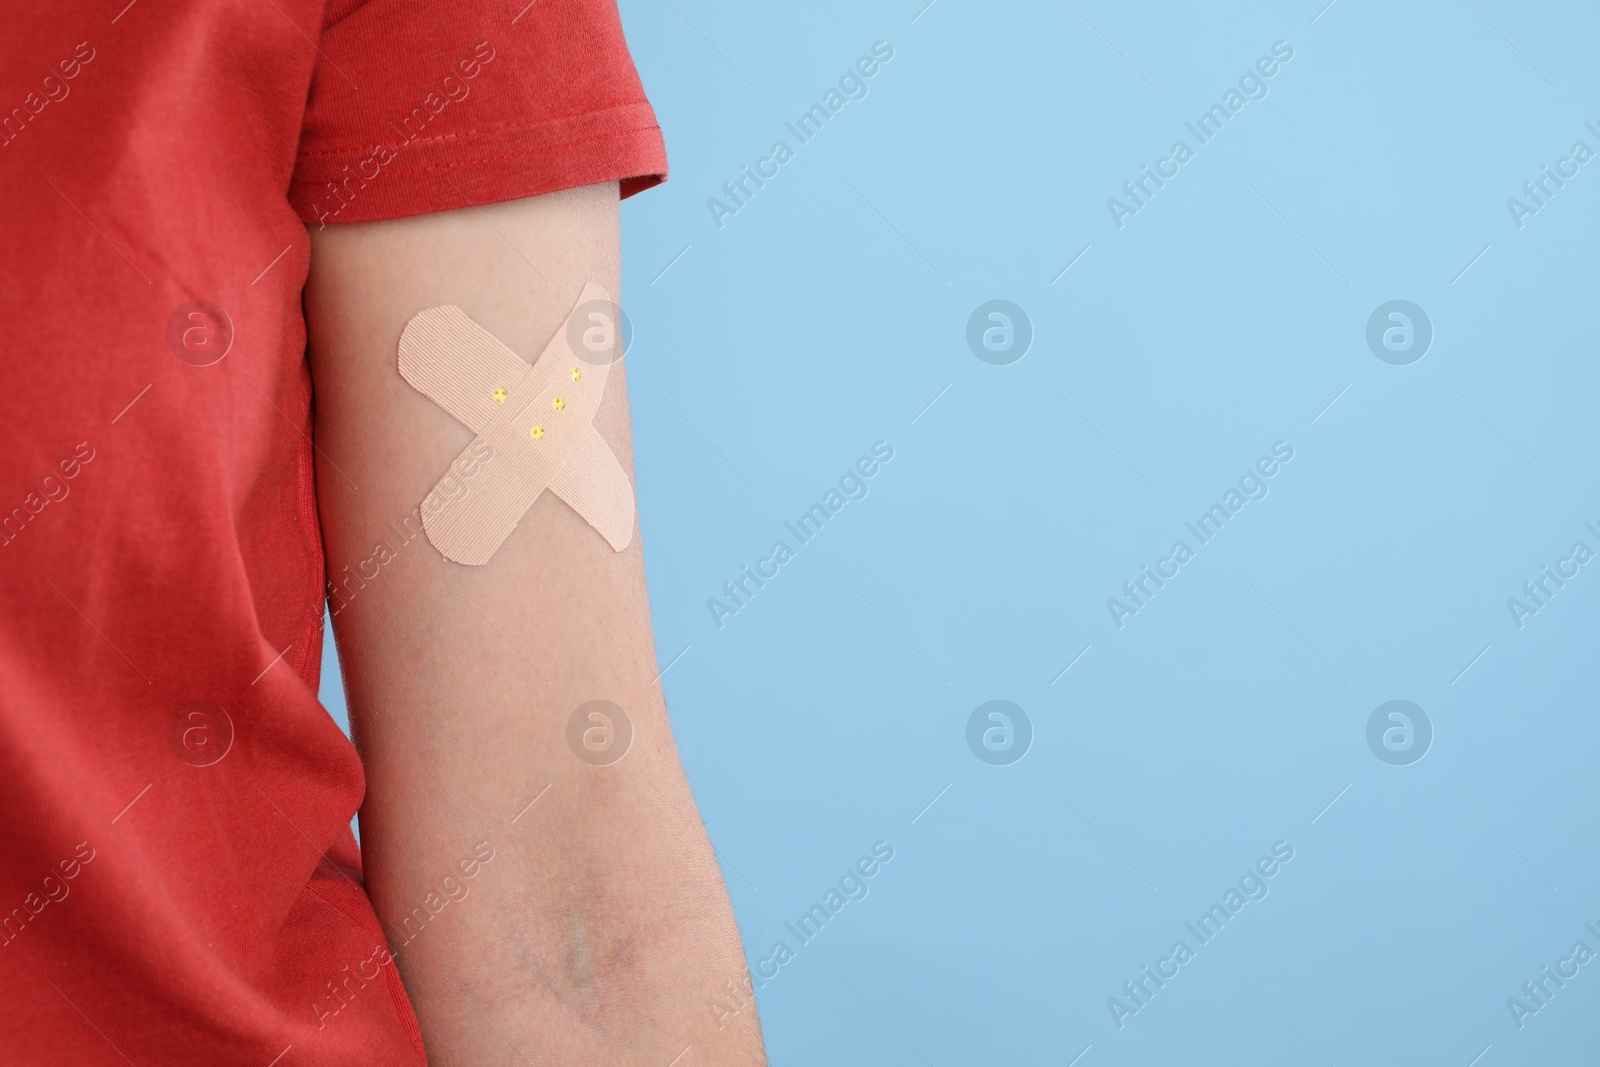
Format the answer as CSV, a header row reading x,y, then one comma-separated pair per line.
x,y
476,131
541,150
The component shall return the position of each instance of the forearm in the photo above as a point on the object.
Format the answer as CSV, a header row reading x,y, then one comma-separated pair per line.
x,y
598,930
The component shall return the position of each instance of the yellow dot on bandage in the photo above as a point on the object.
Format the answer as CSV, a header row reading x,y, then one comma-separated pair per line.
x,y
577,375
536,433
499,396
561,404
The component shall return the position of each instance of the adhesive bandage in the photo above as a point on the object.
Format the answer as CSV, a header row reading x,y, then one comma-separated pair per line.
x,y
535,420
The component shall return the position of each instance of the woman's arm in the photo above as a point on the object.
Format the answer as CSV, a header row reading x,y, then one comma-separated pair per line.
x,y
597,930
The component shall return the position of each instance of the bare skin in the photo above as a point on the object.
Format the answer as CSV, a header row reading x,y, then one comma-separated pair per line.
x,y
600,930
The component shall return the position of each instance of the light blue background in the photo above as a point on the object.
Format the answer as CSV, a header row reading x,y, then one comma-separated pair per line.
x,y
1227,714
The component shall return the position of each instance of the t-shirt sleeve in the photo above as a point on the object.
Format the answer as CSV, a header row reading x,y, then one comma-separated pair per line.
x,y
418,106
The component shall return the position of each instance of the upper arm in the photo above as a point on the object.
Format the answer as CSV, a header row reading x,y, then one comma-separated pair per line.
x,y
603,907
516,270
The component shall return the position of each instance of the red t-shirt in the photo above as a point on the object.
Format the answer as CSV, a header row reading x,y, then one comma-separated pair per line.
x,y
178,881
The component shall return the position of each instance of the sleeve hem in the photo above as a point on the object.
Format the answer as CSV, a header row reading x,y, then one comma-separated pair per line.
x,y
404,177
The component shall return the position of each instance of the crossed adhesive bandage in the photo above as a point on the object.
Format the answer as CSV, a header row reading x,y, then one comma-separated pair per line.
x,y
537,419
